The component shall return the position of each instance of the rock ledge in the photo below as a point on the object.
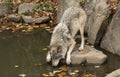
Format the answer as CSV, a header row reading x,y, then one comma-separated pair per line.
x,y
90,55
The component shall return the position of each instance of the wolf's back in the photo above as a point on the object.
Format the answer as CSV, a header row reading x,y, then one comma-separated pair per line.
x,y
70,14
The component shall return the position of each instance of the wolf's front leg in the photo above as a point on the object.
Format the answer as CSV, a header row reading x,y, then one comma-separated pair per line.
x,y
72,45
48,57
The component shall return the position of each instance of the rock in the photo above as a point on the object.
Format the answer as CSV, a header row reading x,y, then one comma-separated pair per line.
x,y
42,19
14,18
90,55
111,40
77,58
26,7
96,57
63,5
27,19
89,7
30,19
4,8
115,73
96,19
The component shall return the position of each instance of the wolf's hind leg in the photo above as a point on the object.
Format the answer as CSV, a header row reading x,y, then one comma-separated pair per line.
x,y
48,57
72,45
82,37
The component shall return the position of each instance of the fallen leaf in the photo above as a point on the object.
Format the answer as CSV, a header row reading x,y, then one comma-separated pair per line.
x,y
76,71
51,74
72,73
57,71
97,66
45,75
35,26
63,73
60,75
39,64
22,75
66,76
89,75
16,66
43,25
44,49
63,68
23,30
47,27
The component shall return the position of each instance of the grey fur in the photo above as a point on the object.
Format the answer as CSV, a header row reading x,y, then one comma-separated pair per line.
x,y
73,20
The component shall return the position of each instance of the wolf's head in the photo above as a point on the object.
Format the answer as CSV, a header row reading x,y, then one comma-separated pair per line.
x,y
55,55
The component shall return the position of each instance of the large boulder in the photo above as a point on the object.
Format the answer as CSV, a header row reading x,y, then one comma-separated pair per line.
x,y
26,7
115,73
96,19
4,8
111,40
63,5
89,54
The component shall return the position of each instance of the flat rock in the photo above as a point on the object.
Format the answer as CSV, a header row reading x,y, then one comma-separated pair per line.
x,y
30,19
77,57
14,18
26,7
96,57
89,54
4,8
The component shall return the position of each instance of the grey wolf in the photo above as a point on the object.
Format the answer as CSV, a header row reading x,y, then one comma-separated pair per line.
x,y
62,40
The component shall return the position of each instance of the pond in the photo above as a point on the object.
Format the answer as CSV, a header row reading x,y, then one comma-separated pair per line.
x,y
24,54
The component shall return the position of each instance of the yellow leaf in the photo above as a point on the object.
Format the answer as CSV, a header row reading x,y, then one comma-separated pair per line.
x,y
76,71
39,64
60,75
16,66
35,26
44,49
63,68
22,75
51,74
45,75
43,25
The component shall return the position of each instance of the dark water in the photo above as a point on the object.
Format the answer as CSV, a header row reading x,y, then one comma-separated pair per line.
x,y
21,52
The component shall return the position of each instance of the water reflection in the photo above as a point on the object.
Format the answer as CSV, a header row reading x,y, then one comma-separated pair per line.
x,y
20,53
24,51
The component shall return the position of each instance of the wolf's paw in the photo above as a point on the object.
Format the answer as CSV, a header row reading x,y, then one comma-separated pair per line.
x,y
81,48
48,57
68,61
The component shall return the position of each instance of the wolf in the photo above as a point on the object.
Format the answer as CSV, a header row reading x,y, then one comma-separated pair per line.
x,y
63,37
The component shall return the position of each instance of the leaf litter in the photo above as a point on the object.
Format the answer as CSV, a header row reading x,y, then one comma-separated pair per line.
x,y
61,72
46,8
